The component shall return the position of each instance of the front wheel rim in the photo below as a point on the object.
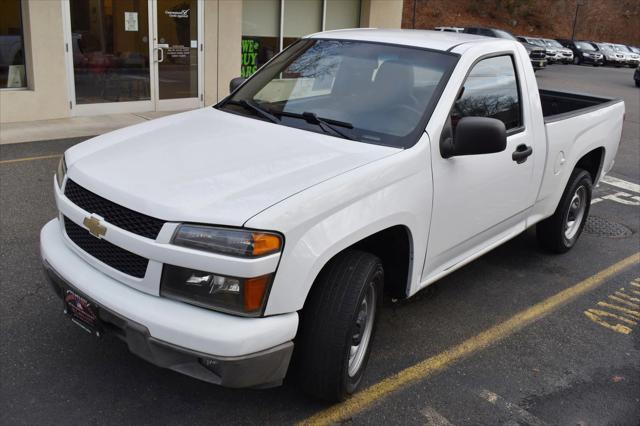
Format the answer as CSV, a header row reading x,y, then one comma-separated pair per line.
x,y
363,329
575,213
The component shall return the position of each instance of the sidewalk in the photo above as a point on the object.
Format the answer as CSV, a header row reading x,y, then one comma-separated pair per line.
x,y
62,128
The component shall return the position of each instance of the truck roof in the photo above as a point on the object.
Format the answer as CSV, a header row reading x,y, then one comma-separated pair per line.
x,y
437,40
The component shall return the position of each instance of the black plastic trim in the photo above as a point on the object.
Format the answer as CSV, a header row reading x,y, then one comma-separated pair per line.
x,y
604,103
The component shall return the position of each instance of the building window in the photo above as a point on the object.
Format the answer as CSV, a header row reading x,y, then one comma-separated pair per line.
x,y
260,33
301,17
268,26
342,14
13,73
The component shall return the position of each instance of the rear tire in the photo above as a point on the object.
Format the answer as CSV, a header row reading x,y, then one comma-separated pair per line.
x,y
339,316
560,232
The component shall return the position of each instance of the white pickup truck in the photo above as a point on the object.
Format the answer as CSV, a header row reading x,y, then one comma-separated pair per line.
x,y
229,242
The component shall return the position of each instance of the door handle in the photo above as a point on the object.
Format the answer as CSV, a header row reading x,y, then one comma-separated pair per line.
x,y
521,153
160,54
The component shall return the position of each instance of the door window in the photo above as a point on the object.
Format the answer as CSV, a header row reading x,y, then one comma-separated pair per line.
x,y
490,90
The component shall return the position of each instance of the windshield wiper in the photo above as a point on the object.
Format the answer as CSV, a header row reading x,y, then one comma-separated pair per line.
x,y
326,124
252,106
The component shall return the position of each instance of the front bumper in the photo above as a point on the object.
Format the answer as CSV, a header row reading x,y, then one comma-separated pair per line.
x,y
538,63
211,346
592,60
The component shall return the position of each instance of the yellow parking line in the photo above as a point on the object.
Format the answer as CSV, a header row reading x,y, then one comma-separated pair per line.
x,y
20,160
368,397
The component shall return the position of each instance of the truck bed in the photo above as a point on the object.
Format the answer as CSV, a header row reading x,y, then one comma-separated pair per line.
x,y
562,105
576,125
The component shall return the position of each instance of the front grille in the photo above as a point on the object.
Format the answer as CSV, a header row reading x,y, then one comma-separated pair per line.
x,y
115,214
112,255
538,54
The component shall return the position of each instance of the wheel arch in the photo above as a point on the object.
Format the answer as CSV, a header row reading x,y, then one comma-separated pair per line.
x,y
592,162
394,247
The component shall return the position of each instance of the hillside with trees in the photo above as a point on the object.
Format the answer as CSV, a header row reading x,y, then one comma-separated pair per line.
x,y
616,21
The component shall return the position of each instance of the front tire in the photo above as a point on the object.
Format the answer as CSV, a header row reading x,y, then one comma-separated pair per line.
x,y
560,232
338,324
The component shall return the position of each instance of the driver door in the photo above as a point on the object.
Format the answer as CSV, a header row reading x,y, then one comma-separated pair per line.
x,y
481,199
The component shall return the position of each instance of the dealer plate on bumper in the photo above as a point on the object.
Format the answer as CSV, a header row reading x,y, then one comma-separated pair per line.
x,y
83,312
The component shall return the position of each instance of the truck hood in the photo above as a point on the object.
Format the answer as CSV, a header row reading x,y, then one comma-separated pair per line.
x,y
210,166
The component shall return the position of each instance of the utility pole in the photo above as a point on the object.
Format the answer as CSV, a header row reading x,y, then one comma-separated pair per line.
x,y
413,19
575,18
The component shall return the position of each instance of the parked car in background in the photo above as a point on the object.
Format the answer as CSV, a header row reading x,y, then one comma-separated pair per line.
x,y
450,29
584,52
552,54
566,55
632,59
611,55
537,54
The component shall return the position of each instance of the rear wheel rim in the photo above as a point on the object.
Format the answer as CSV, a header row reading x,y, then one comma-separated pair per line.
x,y
363,328
575,213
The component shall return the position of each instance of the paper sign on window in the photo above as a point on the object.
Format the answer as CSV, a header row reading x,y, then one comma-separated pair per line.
x,y
131,21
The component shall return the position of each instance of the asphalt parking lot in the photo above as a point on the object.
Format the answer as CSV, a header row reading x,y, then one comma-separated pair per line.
x,y
517,337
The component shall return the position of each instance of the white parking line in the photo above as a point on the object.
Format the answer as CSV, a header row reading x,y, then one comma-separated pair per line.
x,y
622,184
517,413
433,418
621,197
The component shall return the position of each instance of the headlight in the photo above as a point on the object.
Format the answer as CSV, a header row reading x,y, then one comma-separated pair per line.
x,y
243,296
62,171
233,242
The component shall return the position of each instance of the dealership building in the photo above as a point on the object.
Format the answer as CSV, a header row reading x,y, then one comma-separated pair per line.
x,y
66,58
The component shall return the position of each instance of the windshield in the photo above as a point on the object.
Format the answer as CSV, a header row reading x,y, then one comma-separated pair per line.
x,y
537,42
622,48
368,92
552,43
583,45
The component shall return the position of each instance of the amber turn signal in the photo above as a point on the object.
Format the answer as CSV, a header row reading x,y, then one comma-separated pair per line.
x,y
265,243
254,292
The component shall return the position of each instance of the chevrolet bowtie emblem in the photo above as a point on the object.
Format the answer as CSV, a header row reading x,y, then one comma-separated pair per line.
x,y
95,227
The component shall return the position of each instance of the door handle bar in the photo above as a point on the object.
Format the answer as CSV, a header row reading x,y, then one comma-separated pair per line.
x,y
160,54
521,153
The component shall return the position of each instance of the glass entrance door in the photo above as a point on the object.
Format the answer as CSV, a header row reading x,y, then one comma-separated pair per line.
x,y
108,50
177,54
133,55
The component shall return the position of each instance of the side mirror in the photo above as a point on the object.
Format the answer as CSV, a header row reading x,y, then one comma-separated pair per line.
x,y
473,136
235,83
